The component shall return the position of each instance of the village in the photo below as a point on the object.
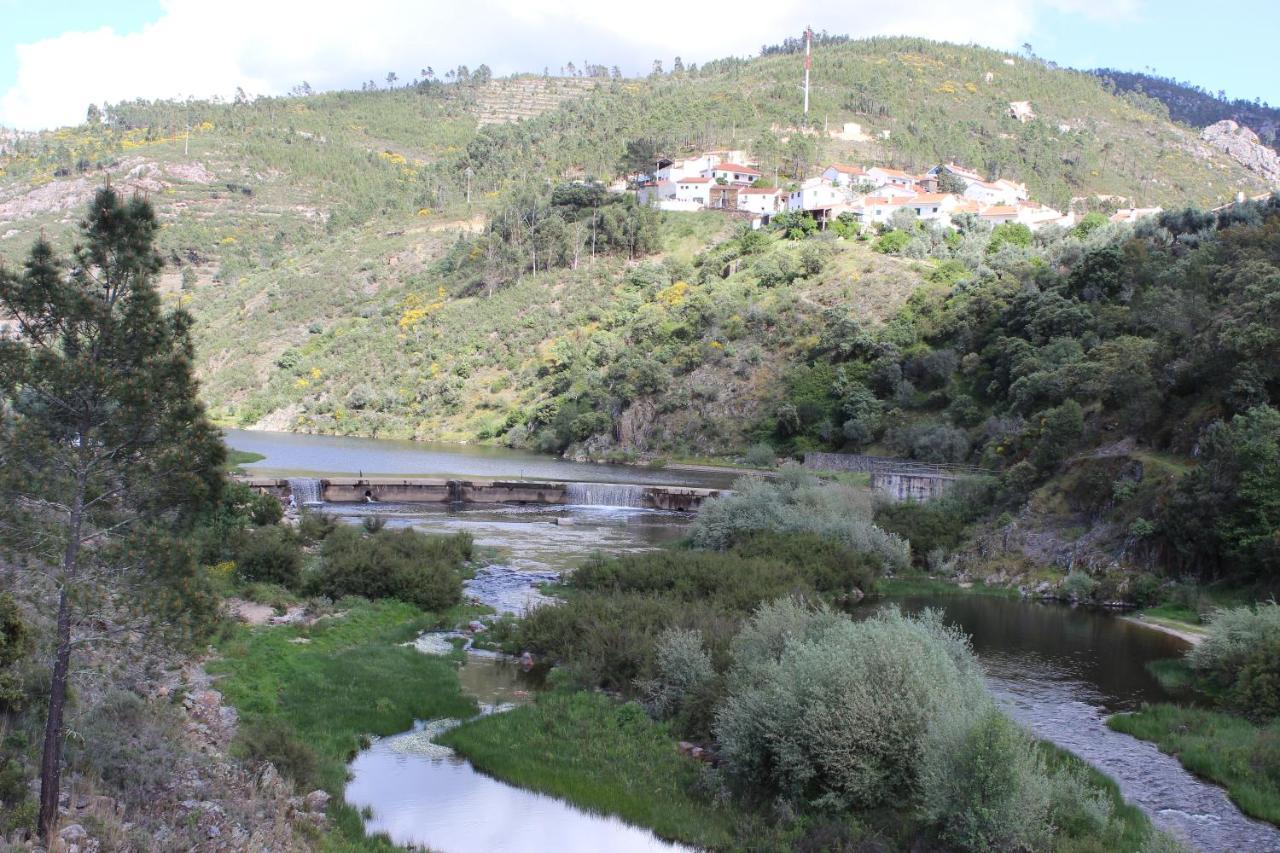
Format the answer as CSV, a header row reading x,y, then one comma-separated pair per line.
x,y
870,196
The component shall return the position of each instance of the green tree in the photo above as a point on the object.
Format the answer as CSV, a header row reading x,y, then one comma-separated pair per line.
x,y
104,448
949,182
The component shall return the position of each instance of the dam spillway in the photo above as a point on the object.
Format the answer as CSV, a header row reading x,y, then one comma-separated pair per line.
x,y
466,492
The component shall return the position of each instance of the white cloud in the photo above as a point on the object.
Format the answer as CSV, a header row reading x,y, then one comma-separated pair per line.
x,y
201,49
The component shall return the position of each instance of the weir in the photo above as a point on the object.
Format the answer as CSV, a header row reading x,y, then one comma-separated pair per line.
x,y
606,494
307,490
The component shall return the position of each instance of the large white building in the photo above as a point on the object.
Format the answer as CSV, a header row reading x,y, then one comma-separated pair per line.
x,y
816,194
764,201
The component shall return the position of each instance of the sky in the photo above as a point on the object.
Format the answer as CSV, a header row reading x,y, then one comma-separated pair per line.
x,y
58,56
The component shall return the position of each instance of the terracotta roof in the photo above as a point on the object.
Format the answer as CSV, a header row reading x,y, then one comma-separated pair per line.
x,y
1000,210
759,191
693,181
734,167
873,200
962,170
931,198
897,173
966,206
848,170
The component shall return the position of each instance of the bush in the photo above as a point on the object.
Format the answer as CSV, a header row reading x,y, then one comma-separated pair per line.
x,y
129,744
1241,654
1079,586
685,681
274,740
826,710
270,555
421,570
800,503
983,782
314,526
760,455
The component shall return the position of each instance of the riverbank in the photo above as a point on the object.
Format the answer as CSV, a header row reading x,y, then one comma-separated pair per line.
x,y
310,693
1192,634
1241,756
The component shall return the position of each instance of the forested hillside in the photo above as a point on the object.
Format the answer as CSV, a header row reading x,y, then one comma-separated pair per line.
x,y
1190,104
402,262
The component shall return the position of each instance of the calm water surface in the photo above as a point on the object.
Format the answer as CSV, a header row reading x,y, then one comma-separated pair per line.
x,y
328,455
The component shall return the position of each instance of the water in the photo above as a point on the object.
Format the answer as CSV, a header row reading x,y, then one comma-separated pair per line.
x,y
605,494
422,793
1062,671
305,490
290,454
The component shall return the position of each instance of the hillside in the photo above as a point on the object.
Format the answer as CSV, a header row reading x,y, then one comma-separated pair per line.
x,y
1192,105
321,241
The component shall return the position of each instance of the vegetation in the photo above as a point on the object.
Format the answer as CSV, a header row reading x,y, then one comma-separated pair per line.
x,y
1241,756
1190,104
422,570
307,706
107,456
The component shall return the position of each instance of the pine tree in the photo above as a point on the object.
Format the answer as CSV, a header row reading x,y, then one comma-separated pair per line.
x,y
105,452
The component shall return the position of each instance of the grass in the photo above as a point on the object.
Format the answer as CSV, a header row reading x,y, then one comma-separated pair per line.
x,y
606,757
1129,827
352,678
1237,754
236,458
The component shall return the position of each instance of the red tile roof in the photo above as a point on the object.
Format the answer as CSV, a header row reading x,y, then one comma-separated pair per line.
x,y
930,198
848,170
693,181
759,190
734,167
999,210
897,173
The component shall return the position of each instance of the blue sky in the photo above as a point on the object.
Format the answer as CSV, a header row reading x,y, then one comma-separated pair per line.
x,y
57,56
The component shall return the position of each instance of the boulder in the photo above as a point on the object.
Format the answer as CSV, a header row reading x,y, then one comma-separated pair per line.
x,y
317,801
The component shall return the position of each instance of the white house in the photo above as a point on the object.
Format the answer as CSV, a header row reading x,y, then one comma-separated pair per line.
x,y
733,173
994,192
882,175
761,200
1133,214
999,214
696,188
895,191
876,208
1035,215
816,194
933,207
846,176
962,172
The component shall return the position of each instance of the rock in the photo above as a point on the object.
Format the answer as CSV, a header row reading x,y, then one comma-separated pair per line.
x,y
73,833
475,626
1242,145
213,831
317,801
526,661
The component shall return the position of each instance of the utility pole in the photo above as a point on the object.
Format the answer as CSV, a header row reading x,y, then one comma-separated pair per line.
x,y
469,174
808,63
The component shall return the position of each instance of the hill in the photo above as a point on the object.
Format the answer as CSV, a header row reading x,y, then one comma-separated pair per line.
x,y
1194,106
324,242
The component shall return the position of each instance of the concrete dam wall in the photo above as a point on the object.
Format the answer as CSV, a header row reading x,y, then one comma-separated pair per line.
x,y
306,490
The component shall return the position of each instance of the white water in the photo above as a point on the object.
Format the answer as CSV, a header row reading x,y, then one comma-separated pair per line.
x,y
606,494
306,490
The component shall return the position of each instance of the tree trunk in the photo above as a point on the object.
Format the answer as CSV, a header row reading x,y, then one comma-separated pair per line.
x,y
51,759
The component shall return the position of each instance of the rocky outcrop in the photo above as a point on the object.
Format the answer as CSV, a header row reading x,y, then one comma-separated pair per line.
x,y
1242,145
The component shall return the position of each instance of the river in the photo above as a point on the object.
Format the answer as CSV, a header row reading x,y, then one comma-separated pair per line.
x,y
1059,671
289,454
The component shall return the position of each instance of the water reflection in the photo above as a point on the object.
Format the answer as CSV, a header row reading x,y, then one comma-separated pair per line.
x,y
422,793
330,455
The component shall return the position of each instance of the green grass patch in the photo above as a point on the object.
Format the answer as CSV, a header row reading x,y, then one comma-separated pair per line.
x,y
606,757
236,458
1242,756
352,678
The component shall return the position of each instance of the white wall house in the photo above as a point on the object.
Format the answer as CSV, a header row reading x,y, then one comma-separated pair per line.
x,y
873,209
696,188
733,173
762,201
964,173
933,207
992,192
815,194
846,176
882,175
999,214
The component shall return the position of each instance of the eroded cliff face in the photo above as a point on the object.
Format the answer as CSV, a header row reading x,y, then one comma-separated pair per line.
x,y
1242,145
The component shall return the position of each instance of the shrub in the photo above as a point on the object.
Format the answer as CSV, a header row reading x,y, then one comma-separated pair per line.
x,y
1079,586
274,740
270,555
685,680
129,744
761,455
983,782
1241,654
892,243
405,564
314,526
796,502
830,711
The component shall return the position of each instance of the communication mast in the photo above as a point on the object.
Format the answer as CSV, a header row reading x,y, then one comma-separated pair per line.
x,y
808,63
